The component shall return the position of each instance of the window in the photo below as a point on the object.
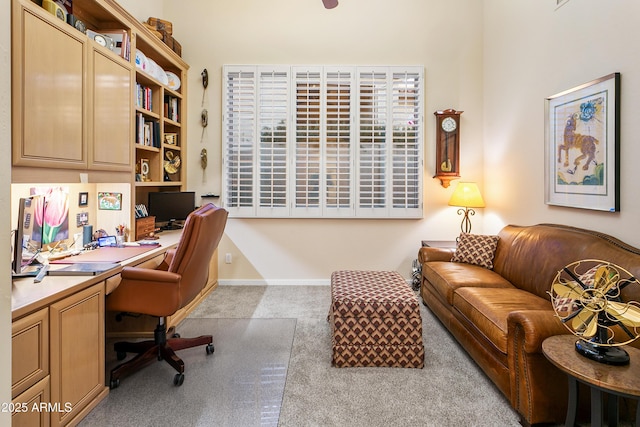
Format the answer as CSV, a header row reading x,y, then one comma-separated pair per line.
x,y
320,141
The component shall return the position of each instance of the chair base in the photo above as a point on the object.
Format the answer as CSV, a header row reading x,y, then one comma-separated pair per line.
x,y
159,349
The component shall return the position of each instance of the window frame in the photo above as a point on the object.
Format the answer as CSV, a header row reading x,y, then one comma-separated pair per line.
x,y
324,139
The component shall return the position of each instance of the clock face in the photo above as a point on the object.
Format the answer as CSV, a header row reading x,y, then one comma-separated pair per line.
x,y
449,124
101,40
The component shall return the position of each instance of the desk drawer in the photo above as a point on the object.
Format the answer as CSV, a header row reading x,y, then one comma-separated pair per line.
x,y
29,351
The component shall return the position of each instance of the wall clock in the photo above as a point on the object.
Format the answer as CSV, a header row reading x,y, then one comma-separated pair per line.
x,y
447,146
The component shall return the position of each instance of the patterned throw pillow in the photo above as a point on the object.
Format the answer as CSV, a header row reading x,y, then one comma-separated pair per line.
x,y
476,249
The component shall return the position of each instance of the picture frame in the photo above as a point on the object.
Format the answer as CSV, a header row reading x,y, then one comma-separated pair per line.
x,y
110,201
582,128
83,199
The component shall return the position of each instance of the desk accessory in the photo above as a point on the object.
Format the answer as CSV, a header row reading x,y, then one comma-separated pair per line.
x,y
587,297
84,269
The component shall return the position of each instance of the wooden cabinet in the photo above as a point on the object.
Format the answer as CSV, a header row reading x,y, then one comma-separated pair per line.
x,y
49,84
77,352
58,360
76,107
111,112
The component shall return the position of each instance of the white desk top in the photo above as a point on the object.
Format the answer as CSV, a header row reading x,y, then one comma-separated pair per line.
x,y
27,297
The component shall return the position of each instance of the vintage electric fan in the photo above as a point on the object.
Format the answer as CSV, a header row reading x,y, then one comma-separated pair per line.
x,y
586,296
172,164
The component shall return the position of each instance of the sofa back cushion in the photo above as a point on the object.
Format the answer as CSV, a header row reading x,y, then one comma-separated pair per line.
x,y
530,257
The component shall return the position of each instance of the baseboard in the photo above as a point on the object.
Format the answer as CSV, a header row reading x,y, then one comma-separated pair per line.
x,y
274,282
279,282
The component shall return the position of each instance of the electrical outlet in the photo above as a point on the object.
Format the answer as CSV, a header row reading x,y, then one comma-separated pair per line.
x,y
227,258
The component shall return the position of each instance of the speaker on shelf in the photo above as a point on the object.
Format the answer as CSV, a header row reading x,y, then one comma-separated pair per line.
x,y
87,234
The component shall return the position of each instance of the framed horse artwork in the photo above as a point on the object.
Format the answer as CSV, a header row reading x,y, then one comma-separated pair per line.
x,y
582,127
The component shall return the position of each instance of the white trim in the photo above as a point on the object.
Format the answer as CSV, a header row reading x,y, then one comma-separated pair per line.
x,y
282,282
275,282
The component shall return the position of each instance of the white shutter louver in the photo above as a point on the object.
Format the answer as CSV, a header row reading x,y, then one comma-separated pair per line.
x,y
405,178
372,153
307,153
339,137
273,117
239,138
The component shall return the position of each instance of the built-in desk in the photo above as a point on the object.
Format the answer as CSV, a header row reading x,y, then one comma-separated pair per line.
x,y
58,340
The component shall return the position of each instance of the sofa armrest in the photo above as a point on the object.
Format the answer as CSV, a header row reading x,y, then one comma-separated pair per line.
x,y
428,253
537,325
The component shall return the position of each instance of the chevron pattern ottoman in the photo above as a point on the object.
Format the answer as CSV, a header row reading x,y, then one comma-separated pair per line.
x,y
375,320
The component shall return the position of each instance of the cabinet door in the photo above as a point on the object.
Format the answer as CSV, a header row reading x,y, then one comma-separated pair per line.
x,y
49,92
29,350
112,115
33,406
77,351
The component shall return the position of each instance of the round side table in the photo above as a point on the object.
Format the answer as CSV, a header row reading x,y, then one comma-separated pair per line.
x,y
616,381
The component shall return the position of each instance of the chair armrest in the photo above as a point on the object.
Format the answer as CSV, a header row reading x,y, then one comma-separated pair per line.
x,y
149,275
537,325
428,253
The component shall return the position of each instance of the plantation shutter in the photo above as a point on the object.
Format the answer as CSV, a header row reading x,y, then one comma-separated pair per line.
x,y
323,141
273,124
339,146
307,146
406,185
372,142
239,124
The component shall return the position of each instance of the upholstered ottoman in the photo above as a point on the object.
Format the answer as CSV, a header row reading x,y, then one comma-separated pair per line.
x,y
375,320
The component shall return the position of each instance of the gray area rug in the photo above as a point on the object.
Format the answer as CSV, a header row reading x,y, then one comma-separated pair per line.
x,y
449,391
285,328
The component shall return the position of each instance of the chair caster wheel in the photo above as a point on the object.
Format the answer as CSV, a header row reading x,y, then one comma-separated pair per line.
x,y
178,380
210,349
121,355
114,383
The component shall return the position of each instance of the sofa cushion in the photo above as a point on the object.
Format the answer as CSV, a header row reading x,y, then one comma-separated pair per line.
x,y
476,249
488,309
446,277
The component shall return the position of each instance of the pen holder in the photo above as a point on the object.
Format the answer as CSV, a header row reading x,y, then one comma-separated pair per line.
x,y
120,240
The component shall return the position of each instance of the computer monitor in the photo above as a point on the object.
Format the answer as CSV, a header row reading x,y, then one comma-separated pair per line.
x,y
171,208
27,241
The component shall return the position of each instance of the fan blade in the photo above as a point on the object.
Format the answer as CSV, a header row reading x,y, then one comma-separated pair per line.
x,y
583,321
568,290
606,277
626,314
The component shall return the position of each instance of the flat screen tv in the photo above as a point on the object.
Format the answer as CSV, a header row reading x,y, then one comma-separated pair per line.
x,y
27,241
171,208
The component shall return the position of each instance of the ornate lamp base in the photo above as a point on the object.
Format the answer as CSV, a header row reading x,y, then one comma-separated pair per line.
x,y
603,354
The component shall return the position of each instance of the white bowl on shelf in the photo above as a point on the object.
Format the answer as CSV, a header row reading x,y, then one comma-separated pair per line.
x,y
174,81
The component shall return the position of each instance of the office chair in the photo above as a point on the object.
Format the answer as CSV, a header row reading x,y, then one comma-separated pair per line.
x,y
162,291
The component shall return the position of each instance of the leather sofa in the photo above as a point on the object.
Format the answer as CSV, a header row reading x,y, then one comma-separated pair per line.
x,y
500,316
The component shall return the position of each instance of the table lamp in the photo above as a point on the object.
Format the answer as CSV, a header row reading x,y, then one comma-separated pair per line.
x,y
468,196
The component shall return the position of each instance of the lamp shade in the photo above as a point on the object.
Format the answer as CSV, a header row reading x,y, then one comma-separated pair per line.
x,y
467,194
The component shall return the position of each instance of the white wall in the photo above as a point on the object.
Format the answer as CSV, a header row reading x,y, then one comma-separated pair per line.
x,y
443,36
531,51
5,185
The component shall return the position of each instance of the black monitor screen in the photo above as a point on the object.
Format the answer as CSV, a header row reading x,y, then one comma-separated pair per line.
x,y
171,206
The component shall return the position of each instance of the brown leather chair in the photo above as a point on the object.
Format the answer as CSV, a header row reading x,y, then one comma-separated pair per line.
x,y
162,291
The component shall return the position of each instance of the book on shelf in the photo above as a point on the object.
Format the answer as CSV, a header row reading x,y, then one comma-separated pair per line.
x,y
171,108
144,97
